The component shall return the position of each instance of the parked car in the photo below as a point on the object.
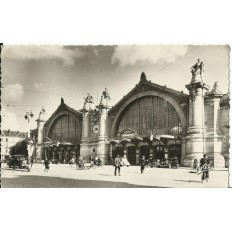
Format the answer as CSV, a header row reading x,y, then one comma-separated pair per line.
x,y
169,163
18,161
164,164
124,161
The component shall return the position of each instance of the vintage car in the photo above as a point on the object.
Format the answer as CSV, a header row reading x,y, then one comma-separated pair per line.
x,y
18,161
169,163
124,161
164,164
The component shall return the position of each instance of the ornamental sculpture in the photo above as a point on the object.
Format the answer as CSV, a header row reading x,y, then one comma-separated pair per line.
x,y
215,89
41,114
88,99
198,68
105,96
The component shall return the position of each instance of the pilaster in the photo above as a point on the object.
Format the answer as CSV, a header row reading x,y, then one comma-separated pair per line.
x,y
85,138
103,144
195,139
212,123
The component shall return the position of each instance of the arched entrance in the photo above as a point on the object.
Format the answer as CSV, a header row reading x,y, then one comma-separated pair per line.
x,y
118,150
159,152
144,150
174,150
162,110
131,155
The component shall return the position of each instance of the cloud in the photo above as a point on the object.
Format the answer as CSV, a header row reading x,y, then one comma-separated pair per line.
x,y
13,92
130,55
30,52
38,86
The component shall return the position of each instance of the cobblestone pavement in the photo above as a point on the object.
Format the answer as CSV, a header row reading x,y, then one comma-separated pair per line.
x,y
63,175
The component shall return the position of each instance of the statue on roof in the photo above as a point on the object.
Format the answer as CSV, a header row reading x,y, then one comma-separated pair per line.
x,y
88,99
198,68
41,114
105,95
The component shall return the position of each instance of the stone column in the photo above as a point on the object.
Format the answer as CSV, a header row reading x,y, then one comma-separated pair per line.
x,y
137,156
103,143
212,123
111,152
225,126
84,148
39,146
103,146
195,139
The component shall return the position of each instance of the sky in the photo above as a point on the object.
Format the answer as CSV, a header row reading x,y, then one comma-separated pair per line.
x,y
36,76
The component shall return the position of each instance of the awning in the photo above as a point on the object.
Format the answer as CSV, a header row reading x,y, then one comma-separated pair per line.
x,y
164,137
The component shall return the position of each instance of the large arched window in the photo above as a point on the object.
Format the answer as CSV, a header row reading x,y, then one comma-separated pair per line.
x,y
150,114
66,129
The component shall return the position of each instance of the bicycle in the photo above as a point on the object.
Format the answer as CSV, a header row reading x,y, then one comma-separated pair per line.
x,y
204,171
95,164
80,166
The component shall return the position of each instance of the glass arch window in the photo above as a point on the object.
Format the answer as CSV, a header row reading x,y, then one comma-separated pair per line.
x,y
150,114
66,129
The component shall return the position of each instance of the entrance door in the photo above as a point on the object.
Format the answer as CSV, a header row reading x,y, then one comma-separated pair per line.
x,y
131,155
159,152
174,150
145,151
118,151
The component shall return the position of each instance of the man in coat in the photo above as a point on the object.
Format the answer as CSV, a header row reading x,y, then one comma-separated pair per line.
x,y
204,164
117,165
142,164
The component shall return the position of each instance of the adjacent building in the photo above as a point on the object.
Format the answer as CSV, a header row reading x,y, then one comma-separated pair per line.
x,y
8,139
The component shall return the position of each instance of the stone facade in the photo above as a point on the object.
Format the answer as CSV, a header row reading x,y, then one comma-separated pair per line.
x,y
190,126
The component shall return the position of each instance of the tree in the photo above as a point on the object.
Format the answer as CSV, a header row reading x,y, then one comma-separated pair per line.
x,y
19,148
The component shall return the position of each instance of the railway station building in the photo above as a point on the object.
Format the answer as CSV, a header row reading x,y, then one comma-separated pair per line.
x,y
151,120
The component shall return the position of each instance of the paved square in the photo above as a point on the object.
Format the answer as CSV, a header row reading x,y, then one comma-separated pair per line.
x,y
65,176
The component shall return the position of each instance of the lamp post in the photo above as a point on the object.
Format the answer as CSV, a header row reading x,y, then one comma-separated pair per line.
x,y
27,117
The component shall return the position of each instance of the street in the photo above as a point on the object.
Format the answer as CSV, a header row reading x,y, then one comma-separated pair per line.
x,y
65,176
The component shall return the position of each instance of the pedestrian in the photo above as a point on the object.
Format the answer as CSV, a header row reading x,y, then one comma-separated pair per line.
x,y
195,164
204,165
175,162
46,164
142,164
32,161
99,161
117,165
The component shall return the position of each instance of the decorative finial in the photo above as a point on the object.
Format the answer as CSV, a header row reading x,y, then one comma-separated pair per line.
x,y
215,88
62,101
143,77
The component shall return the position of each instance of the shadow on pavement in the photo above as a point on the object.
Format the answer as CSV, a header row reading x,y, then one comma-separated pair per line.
x,y
16,169
189,181
57,182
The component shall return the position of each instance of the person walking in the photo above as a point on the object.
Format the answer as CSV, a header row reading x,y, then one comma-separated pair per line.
x,y
204,165
142,164
117,165
46,164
